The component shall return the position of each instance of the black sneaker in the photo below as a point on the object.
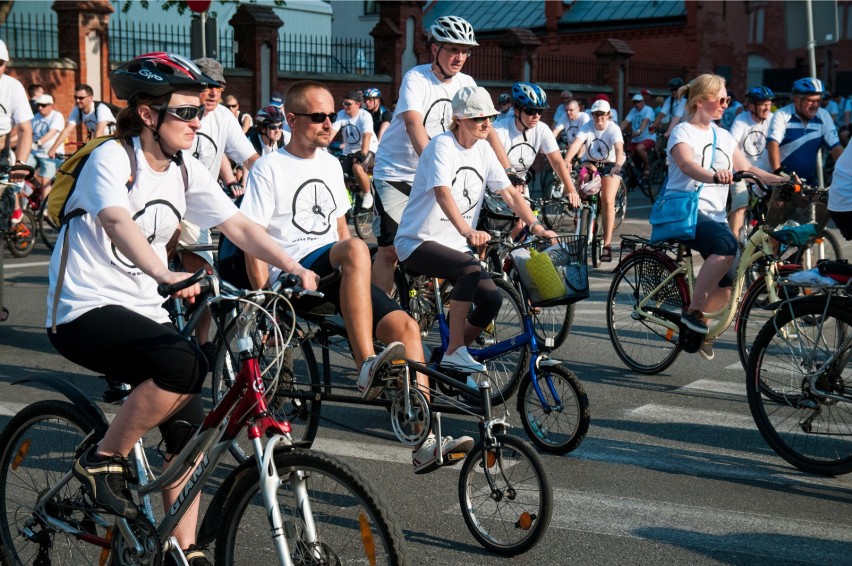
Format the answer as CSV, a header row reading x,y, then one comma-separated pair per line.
x,y
104,478
695,321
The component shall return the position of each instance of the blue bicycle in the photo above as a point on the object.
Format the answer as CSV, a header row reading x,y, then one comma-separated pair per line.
x,y
552,402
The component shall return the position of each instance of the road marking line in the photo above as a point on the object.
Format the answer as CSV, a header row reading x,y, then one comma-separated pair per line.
x,y
681,415
714,386
9,266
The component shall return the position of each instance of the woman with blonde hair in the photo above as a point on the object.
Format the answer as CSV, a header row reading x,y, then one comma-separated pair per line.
x,y
703,157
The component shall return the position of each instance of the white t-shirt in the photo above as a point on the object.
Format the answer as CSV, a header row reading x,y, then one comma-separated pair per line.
x,y
522,147
90,120
42,125
571,127
297,200
840,192
468,172
420,92
352,131
713,197
220,135
600,144
97,274
636,118
14,105
751,138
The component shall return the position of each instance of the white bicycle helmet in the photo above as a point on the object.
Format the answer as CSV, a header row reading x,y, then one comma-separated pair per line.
x,y
453,29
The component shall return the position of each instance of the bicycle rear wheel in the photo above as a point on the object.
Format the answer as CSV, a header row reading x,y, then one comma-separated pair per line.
x,y
560,426
620,204
38,449
557,215
642,343
353,523
506,498
752,314
659,169
826,246
802,423
21,237
48,228
295,398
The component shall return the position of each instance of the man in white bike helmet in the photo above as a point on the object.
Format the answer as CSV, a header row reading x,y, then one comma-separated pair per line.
x,y
423,111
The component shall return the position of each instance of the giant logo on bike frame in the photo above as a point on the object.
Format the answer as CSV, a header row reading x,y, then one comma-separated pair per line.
x,y
313,207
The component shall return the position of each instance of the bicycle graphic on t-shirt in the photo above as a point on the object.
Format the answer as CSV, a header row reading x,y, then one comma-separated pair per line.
x,y
158,220
467,186
754,143
521,156
351,134
313,207
599,150
438,117
205,150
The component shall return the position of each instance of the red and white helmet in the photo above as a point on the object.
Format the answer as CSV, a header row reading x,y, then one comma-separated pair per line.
x,y
158,74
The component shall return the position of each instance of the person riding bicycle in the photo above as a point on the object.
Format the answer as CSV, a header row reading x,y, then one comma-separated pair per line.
x,y
297,194
797,132
703,157
570,123
749,131
96,118
637,122
104,312
15,113
604,152
359,144
422,112
267,134
671,108
382,117
454,172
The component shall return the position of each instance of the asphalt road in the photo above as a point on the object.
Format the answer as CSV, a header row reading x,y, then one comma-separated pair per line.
x,y
673,470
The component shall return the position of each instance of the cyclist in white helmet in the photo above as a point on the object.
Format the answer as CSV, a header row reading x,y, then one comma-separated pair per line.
x,y
423,111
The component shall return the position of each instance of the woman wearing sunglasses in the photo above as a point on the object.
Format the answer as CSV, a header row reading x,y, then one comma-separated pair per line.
x,y
108,315
267,134
703,158
437,226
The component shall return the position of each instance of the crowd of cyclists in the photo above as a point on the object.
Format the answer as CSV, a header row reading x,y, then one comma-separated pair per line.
x,y
432,159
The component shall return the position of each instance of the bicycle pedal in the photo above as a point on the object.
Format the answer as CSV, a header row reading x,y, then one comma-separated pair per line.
x,y
454,458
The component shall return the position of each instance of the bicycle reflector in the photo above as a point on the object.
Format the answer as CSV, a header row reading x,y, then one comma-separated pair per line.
x,y
22,453
367,538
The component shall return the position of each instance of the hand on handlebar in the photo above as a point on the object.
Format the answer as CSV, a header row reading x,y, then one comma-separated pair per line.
x,y
477,238
173,277
573,198
310,280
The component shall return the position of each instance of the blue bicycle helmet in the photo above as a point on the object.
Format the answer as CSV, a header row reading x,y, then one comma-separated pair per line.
x,y
808,85
372,92
759,94
675,83
528,95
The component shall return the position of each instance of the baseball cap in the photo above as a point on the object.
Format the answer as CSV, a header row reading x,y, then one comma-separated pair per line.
x,y
473,102
44,99
4,53
646,92
354,95
277,100
212,68
638,97
600,106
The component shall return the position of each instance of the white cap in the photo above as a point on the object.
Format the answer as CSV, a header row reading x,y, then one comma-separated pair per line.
x,y
44,99
4,53
600,106
473,102
638,97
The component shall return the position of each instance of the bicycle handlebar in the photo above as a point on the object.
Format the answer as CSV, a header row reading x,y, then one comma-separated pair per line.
x,y
10,168
287,284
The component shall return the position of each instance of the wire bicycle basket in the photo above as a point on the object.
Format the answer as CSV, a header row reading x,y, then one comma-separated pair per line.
x,y
553,273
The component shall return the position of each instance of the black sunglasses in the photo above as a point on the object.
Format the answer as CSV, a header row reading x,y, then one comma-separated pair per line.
x,y
274,127
42,105
318,117
232,105
184,113
533,111
481,119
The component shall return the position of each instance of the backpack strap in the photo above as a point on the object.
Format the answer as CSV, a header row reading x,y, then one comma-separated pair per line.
x,y
63,257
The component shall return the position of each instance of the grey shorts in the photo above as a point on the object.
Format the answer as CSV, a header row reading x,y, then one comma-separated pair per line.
x,y
739,196
392,196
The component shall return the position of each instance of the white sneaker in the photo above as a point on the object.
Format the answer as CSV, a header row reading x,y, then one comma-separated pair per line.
x,y
425,458
370,368
461,360
367,201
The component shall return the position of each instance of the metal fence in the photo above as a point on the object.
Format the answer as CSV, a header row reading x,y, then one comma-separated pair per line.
x,y
31,36
127,39
486,64
654,75
318,54
557,68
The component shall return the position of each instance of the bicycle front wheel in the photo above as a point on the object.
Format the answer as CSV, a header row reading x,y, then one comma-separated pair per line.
x,y
560,425
293,398
353,524
21,237
506,498
808,422
752,314
643,343
38,449
552,323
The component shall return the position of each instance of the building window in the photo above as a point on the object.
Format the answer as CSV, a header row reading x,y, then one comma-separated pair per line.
x,y
371,8
755,26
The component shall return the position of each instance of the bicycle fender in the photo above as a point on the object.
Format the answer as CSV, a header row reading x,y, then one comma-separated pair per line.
x,y
72,392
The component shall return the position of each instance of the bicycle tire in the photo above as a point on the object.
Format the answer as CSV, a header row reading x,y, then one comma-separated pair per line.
x,y
752,314
38,448
362,219
299,375
659,169
561,427
831,250
522,495
347,509
48,228
642,344
552,323
620,204
808,430
555,216
21,237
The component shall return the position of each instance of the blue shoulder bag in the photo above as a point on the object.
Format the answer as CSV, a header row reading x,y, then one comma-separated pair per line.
x,y
675,213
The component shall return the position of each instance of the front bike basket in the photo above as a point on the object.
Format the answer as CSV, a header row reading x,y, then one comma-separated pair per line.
x,y
553,274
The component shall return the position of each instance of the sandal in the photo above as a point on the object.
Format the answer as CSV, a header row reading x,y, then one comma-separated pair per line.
x,y
606,254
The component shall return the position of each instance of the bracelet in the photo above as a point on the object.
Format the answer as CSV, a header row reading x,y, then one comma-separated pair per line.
x,y
510,170
533,225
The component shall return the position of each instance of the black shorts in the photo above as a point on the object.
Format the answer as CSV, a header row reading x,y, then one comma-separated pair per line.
x,y
715,238
319,262
350,160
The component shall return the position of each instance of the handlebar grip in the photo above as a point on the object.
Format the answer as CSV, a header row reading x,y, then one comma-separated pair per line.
x,y
28,168
167,290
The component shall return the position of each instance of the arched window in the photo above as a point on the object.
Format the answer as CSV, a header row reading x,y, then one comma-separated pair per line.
x,y
756,65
